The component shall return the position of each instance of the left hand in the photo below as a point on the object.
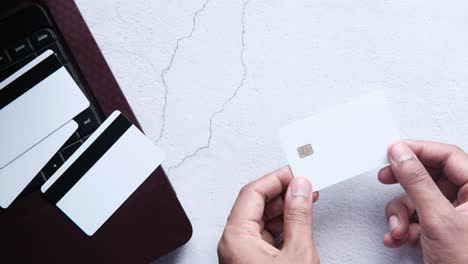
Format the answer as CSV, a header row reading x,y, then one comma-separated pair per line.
x,y
260,213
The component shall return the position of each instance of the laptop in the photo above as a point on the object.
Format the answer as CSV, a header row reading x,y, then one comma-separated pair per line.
x,y
149,224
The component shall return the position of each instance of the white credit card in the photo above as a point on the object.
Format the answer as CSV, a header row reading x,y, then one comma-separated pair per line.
x,y
103,173
34,102
340,142
19,173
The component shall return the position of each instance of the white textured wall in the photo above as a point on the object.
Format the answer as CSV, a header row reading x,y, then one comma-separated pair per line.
x,y
229,73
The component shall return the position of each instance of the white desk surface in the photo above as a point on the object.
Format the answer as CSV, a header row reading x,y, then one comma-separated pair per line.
x,y
227,74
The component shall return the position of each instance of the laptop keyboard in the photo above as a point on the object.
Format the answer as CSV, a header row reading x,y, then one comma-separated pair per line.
x,y
23,50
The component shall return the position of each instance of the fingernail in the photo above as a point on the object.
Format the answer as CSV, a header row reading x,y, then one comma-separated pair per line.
x,y
301,187
400,152
393,223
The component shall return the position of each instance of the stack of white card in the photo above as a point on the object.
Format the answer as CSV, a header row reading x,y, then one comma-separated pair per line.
x,y
103,173
340,142
37,105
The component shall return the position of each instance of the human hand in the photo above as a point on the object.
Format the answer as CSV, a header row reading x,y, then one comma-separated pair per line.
x,y
261,213
435,178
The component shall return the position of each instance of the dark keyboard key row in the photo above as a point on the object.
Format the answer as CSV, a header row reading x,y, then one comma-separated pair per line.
x,y
13,68
4,60
23,51
87,122
42,38
20,50
68,151
52,166
74,138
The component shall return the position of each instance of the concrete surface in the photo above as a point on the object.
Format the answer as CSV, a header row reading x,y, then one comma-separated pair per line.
x,y
211,81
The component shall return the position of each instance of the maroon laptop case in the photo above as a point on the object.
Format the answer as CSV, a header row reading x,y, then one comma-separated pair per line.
x,y
149,224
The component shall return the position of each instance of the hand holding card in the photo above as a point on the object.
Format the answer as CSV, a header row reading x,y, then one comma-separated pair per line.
x,y
340,142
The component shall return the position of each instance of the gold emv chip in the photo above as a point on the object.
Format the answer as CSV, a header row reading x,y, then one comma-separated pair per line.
x,y
305,151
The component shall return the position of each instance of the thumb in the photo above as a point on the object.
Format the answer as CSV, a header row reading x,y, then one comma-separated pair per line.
x,y
417,182
298,215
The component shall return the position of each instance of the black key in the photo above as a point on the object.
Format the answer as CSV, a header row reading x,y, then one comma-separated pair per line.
x,y
20,50
34,185
57,50
42,38
74,138
13,68
87,122
68,151
4,60
52,166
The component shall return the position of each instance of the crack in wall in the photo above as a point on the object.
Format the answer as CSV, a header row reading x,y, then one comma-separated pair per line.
x,y
227,101
171,62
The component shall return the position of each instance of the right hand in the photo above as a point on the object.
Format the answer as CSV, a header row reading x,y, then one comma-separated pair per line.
x,y
435,178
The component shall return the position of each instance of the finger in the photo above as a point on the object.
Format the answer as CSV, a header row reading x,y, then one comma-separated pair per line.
x,y
414,235
266,236
386,176
463,194
412,238
297,215
416,181
274,208
462,208
315,196
398,212
451,159
390,242
250,203
448,188
275,226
